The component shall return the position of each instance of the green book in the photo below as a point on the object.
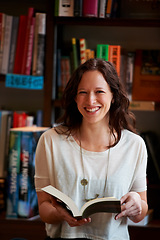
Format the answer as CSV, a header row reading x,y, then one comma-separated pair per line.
x,y
75,54
103,51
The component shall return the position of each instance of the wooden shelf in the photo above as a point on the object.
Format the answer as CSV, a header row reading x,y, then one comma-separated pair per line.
x,y
107,22
32,230
20,228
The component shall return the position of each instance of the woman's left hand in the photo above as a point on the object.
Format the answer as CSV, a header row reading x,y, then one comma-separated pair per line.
x,y
131,205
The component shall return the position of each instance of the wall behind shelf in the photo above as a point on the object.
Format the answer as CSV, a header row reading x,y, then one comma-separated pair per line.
x,y
20,99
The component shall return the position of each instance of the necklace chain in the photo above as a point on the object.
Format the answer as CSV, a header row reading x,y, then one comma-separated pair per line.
x,y
84,181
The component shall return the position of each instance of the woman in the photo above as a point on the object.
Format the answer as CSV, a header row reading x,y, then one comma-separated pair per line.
x,y
95,152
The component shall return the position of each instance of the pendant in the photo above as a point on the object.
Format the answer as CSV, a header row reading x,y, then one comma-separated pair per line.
x,y
84,182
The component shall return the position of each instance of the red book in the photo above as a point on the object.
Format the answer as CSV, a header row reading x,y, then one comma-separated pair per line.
x,y
20,44
90,8
27,36
30,48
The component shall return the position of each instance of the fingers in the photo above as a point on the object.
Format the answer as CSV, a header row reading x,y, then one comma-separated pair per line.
x,y
131,205
66,214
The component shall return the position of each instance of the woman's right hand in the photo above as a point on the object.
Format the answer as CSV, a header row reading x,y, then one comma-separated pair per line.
x,y
65,214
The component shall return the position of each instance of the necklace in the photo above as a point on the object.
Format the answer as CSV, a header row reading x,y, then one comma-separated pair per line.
x,y
85,182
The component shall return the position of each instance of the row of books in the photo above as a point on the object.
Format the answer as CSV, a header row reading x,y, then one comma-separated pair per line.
x,y
13,119
21,195
139,71
22,43
87,8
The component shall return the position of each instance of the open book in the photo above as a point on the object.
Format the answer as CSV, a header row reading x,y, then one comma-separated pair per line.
x,y
106,204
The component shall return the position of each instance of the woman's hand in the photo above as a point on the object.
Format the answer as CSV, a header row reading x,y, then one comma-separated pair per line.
x,y
134,206
65,215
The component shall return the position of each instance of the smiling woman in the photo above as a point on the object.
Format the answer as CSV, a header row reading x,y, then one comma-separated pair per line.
x,y
94,97
94,152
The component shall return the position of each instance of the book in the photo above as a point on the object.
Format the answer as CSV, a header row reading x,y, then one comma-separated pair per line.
x,y
102,8
7,41
103,51
56,8
2,31
20,44
66,8
109,8
19,119
13,174
106,204
90,8
27,199
82,42
89,53
40,45
75,54
26,39
130,74
12,50
4,125
142,105
78,7
146,82
27,69
115,56
21,195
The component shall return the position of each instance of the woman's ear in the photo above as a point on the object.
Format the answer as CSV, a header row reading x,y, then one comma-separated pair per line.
x,y
112,100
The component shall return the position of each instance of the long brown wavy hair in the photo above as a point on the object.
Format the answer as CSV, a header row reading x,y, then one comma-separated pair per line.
x,y
120,116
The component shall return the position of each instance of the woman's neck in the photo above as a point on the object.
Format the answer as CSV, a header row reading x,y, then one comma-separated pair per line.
x,y
95,138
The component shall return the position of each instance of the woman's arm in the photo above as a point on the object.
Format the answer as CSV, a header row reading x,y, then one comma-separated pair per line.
x,y
134,206
52,212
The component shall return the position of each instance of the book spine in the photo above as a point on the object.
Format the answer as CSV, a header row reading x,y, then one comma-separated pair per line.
x,y
13,174
75,54
103,51
115,56
2,31
82,50
26,42
25,161
3,140
30,48
41,44
7,41
66,8
102,8
109,8
90,8
56,8
142,105
13,44
20,44
129,74
78,7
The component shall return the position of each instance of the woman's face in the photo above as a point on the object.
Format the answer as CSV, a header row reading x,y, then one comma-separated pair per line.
x,y
94,97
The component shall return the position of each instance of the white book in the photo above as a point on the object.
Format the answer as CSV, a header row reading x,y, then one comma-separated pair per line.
x,y
105,204
66,8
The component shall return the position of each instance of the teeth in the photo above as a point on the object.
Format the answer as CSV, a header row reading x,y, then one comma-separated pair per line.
x,y
92,109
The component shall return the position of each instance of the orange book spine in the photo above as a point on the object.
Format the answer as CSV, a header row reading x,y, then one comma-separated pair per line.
x,y
115,56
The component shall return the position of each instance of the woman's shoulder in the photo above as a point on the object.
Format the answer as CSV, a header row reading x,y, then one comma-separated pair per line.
x,y
128,135
55,132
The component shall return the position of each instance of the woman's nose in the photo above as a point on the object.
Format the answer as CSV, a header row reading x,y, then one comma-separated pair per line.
x,y
91,99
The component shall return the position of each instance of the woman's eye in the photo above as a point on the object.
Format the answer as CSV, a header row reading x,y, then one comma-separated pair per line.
x,y
82,92
100,91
